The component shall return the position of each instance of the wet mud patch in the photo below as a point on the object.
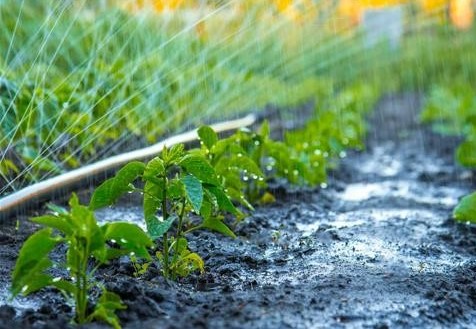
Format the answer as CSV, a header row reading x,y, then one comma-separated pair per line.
x,y
376,249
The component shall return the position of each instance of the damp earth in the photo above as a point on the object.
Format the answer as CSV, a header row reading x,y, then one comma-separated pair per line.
x,y
376,248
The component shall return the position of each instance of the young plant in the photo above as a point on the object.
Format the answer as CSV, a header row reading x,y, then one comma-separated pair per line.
x,y
181,194
452,111
88,246
465,211
246,161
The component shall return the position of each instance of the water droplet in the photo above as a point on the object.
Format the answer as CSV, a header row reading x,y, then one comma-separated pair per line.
x,y
323,185
286,171
254,177
245,178
24,289
239,155
257,143
261,179
342,154
269,167
123,240
113,241
132,254
57,279
317,152
305,145
326,154
295,172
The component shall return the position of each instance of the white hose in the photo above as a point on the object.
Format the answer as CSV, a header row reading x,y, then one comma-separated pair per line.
x,y
41,191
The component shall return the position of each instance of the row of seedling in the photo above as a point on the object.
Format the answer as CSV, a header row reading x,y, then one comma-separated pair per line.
x,y
452,111
209,188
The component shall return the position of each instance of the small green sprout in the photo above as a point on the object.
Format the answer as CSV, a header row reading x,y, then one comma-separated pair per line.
x,y
182,193
465,211
88,246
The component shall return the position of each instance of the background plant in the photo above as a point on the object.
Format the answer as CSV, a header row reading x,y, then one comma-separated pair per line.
x,y
101,77
452,110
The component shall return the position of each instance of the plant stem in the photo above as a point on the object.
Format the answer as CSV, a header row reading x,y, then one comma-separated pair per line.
x,y
198,227
179,230
81,282
165,236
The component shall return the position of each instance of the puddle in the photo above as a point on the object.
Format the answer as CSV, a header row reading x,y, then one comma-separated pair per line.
x,y
407,190
20,303
366,217
385,166
130,214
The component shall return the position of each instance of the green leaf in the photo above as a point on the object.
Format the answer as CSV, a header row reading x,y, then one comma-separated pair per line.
x,y
152,198
157,228
208,136
215,224
206,210
465,211
175,189
37,281
106,308
194,191
64,286
56,222
109,191
86,226
129,236
199,167
223,201
187,263
154,168
246,163
57,209
466,153
172,156
32,261
181,245
264,130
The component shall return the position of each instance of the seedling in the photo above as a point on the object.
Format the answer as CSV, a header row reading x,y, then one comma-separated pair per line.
x,y
452,111
465,211
246,161
88,246
181,194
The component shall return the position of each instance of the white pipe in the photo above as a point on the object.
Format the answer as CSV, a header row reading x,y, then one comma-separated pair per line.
x,y
37,192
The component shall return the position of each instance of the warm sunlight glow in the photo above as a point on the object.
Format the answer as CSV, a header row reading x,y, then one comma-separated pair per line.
x,y
461,13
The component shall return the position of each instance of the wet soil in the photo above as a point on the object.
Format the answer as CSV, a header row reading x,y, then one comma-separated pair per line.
x,y
375,249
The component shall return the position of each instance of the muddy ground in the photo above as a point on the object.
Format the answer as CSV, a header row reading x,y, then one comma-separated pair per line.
x,y
375,249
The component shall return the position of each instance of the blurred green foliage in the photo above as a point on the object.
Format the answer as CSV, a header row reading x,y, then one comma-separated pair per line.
x,y
78,83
